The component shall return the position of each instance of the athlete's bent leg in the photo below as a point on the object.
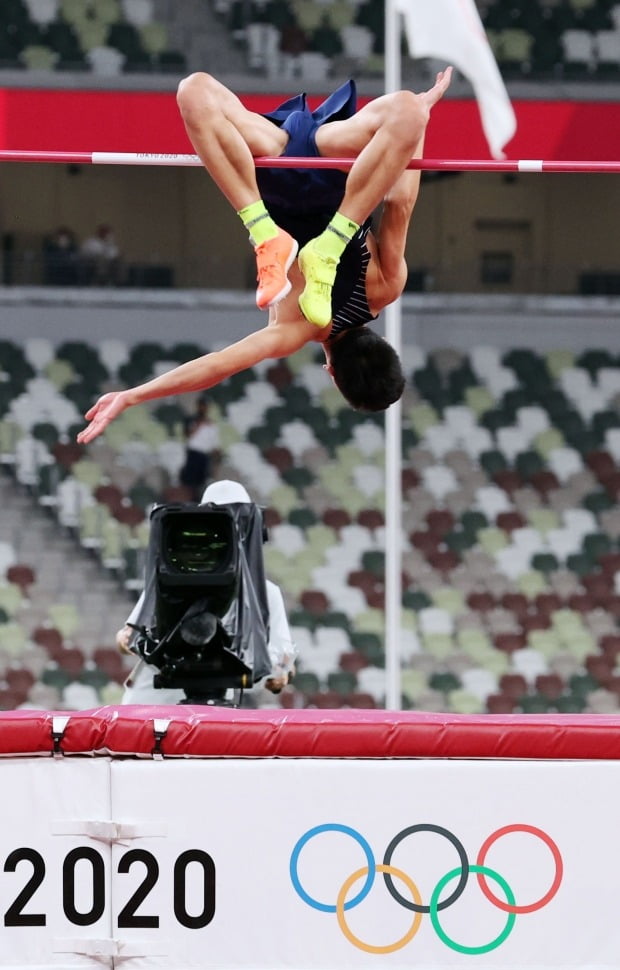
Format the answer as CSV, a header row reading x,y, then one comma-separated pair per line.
x,y
227,137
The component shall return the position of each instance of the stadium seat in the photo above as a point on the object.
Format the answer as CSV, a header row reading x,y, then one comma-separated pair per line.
x,y
138,12
306,682
104,60
42,12
357,42
13,638
154,38
38,57
92,34
510,553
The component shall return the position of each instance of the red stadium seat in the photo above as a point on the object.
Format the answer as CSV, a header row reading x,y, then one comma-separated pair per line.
x,y
315,602
439,521
19,680
10,699
22,575
547,603
500,704
610,648
409,479
598,666
336,518
114,664
361,700
509,521
130,515
110,495
280,457
513,686
535,621
509,642
550,685
71,660
508,479
49,638
271,517
517,603
481,602
371,519
325,700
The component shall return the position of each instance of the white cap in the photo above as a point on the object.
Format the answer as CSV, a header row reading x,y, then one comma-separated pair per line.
x,y
221,493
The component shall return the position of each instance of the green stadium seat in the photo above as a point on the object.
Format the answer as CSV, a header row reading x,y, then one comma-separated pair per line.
x,y
544,562
598,501
580,563
535,704
370,646
342,682
596,545
581,685
445,682
570,704
594,359
415,600
306,682
527,463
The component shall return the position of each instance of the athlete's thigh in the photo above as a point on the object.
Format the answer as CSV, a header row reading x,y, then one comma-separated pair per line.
x,y
262,136
347,138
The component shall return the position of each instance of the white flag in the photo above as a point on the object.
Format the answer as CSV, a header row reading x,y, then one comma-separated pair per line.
x,y
451,30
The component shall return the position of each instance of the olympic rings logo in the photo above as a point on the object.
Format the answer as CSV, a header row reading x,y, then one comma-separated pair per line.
x,y
437,902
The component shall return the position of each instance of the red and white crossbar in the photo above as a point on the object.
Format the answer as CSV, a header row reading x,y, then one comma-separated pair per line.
x,y
423,164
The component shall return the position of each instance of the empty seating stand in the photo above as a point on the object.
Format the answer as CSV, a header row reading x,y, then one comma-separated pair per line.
x,y
104,37
511,539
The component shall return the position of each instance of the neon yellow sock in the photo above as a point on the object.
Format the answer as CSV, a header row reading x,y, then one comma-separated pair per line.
x,y
258,222
336,237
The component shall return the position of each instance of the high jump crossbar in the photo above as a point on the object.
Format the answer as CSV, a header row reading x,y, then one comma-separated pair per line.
x,y
422,164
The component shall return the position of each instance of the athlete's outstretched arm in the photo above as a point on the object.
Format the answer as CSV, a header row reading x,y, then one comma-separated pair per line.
x,y
196,375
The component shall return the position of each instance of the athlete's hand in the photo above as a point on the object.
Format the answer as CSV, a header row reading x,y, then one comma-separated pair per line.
x,y
106,409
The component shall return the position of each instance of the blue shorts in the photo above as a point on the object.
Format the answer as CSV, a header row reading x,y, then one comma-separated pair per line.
x,y
308,191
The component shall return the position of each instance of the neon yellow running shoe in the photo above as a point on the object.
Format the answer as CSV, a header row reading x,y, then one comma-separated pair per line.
x,y
319,273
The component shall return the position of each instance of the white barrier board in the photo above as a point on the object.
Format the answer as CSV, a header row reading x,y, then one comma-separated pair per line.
x,y
309,864
277,845
55,882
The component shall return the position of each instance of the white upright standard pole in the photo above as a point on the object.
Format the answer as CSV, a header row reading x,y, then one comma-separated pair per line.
x,y
393,440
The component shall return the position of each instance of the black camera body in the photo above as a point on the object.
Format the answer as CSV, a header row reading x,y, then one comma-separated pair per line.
x,y
205,619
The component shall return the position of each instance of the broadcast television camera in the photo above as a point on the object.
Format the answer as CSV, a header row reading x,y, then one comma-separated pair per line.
x,y
205,619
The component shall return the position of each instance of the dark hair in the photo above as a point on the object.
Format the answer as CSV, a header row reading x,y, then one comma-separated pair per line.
x,y
366,370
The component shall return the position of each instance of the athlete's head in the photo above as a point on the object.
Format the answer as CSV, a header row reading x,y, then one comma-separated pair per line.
x,y
366,369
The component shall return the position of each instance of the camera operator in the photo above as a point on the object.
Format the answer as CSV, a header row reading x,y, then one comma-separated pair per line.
x,y
139,688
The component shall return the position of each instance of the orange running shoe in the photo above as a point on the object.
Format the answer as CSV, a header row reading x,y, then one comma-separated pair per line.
x,y
273,261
